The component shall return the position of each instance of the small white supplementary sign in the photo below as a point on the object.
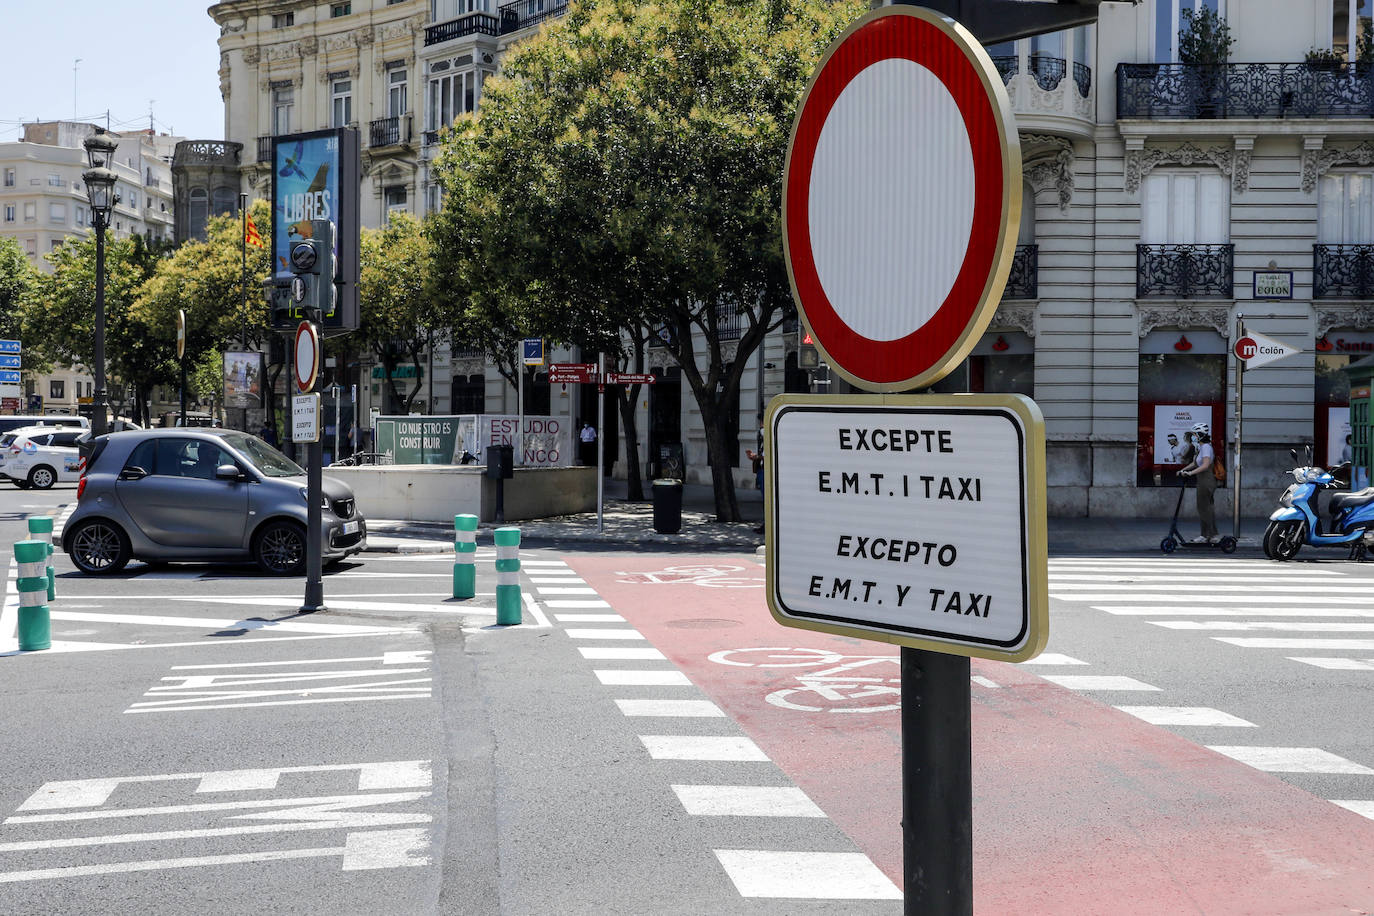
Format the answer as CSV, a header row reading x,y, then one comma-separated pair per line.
x,y
305,418
917,520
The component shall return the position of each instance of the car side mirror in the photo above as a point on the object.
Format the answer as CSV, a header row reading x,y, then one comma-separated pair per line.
x,y
133,472
227,472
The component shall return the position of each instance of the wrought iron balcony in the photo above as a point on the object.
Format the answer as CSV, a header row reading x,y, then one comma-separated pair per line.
x,y
1023,283
1083,78
1184,271
524,13
264,149
431,137
469,24
1342,271
730,324
1048,71
389,131
1295,90
1007,67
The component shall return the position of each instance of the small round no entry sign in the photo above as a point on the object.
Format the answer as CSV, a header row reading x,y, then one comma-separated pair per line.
x,y
901,198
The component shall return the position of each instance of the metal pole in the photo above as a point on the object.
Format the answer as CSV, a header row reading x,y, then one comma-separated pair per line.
x,y
338,417
98,424
183,389
314,562
600,444
937,785
243,283
520,407
1240,406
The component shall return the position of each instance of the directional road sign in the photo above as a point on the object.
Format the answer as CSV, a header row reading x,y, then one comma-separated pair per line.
x,y
10,361
9,376
901,198
910,519
571,373
1255,350
630,378
532,351
11,346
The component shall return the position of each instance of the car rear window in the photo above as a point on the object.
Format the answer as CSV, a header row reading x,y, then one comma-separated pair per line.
x,y
65,440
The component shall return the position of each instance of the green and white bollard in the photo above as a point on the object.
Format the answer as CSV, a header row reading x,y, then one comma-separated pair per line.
x,y
35,629
465,562
40,529
508,611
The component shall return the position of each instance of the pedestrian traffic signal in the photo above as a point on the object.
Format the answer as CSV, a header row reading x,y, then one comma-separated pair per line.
x,y
808,357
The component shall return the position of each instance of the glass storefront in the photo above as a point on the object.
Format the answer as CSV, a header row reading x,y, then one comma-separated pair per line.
x,y
1002,362
1331,439
1182,382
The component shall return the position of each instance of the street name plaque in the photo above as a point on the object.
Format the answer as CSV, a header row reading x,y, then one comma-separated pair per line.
x,y
917,520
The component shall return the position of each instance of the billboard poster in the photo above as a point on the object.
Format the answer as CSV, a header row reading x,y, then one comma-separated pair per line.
x,y
315,176
1338,437
1173,428
243,374
445,439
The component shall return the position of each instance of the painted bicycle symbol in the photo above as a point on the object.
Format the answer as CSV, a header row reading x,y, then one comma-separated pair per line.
x,y
846,683
706,575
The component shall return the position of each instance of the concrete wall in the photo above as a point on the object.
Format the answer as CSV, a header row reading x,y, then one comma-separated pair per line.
x,y
429,493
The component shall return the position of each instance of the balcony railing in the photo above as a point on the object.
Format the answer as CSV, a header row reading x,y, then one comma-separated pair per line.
x,y
1342,271
1048,71
524,13
1296,90
1184,271
1083,78
469,24
1023,283
389,131
264,149
1007,67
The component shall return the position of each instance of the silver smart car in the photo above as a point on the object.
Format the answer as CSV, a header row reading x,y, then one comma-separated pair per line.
x,y
201,494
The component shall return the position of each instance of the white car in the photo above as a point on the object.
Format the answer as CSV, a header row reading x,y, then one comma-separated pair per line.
x,y
40,456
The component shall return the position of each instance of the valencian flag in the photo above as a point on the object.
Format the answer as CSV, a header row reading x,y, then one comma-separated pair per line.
x,y
250,233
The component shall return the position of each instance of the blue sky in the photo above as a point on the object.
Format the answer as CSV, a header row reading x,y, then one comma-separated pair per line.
x,y
163,50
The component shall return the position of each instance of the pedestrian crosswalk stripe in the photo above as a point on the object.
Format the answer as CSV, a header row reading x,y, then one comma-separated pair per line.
x,y
1052,658
1258,642
576,603
1128,578
1292,760
664,677
1202,716
599,653
687,709
1206,587
1297,626
1362,806
554,590
1097,682
603,633
589,618
1335,663
702,747
746,801
812,875
1208,596
1159,610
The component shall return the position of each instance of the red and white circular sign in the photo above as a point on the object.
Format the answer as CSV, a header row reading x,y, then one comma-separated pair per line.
x,y
901,198
307,357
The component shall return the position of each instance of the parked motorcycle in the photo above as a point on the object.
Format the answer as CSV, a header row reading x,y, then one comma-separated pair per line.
x,y
1298,521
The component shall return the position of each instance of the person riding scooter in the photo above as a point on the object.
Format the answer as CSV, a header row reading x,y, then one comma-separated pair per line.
x,y
1201,469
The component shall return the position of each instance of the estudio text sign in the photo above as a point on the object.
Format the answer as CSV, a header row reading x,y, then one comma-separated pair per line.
x,y
912,519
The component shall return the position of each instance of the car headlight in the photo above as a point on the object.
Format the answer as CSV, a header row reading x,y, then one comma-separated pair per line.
x,y
324,500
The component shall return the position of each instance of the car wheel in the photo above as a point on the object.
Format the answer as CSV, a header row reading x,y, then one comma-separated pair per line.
x,y
279,548
42,477
99,547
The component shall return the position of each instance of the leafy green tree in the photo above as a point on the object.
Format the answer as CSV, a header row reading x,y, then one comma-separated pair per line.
x,y
58,320
398,318
17,281
624,175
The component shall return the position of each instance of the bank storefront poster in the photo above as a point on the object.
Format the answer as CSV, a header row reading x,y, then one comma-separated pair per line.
x,y
1173,429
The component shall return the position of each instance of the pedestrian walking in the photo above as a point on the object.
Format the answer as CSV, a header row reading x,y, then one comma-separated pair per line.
x,y
756,459
1203,470
268,434
588,444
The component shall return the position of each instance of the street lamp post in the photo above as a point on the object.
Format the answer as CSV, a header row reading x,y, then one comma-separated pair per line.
x,y
100,183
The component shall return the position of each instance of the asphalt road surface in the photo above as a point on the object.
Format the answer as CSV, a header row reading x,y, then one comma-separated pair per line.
x,y
1196,738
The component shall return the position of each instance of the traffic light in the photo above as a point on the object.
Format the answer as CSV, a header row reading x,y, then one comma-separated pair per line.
x,y
283,311
808,357
309,293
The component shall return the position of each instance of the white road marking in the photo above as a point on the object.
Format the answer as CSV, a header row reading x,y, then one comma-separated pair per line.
x,y
1075,580
385,849
1260,642
589,618
1363,807
575,603
542,621
566,590
239,781
122,868
1292,759
1097,682
1173,599
701,747
541,581
256,641
806,875
345,604
607,654
1186,715
690,709
1188,610
553,563
1292,625
1207,588
323,802
1051,658
1335,663
653,678
984,682
221,623
746,801
603,633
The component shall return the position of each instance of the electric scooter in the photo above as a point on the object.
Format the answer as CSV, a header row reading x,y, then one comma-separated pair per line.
x,y
1175,539
1298,520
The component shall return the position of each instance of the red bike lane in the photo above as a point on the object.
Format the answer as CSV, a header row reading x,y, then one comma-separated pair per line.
x,y
1078,808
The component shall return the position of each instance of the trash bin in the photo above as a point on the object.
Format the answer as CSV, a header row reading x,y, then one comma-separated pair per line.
x,y
667,506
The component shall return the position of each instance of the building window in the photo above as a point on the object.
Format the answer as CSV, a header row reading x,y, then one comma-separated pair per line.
x,y
283,101
1345,208
396,92
9,213
9,178
341,97
79,213
30,211
55,180
339,9
1350,33
1182,381
133,199
434,197
57,213
396,198
55,244
451,95
31,247
1169,19
57,389
282,20
1185,208
468,394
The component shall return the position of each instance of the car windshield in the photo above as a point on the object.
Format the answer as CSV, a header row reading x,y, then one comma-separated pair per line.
x,y
264,457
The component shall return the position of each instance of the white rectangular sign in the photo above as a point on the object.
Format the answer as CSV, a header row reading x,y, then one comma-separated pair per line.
x,y
912,519
305,418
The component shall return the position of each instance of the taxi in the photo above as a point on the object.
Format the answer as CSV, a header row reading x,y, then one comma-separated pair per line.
x,y
39,456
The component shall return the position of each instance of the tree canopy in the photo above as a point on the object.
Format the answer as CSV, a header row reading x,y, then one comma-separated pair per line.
x,y
623,174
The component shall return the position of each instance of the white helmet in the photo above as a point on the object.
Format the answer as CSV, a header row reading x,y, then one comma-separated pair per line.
x,y
1200,428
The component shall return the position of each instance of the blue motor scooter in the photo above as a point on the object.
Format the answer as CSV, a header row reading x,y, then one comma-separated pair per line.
x,y
1298,519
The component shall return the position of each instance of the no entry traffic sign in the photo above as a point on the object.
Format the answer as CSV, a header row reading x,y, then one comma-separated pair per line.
x,y
901,198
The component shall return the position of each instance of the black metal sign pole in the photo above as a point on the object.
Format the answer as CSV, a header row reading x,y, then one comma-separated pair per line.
x,y
937,784
314,562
